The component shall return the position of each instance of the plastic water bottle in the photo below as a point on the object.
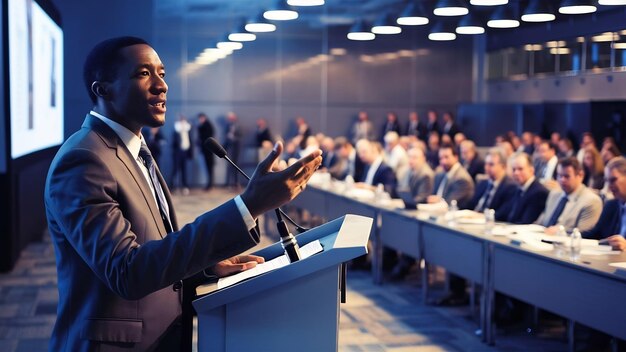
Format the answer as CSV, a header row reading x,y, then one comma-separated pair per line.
x,y
490,221
561,241
452,213
379,192
575,244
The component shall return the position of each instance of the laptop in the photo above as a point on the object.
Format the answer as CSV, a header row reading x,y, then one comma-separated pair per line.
x,y
407,198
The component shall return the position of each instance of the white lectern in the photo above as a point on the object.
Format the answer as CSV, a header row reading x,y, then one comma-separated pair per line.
x,y
294,308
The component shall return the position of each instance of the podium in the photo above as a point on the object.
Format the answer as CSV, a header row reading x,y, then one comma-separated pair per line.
x,y
293,308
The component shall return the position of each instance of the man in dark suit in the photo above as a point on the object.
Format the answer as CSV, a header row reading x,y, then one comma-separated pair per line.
x,y
415,127
449,126
391,124
471,161
263,133
530,198
206,131
376,170
232,144
349,163
612,224
118,248
433,125
496,191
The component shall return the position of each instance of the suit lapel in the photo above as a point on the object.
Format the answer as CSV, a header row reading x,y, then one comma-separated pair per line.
x,y
113,141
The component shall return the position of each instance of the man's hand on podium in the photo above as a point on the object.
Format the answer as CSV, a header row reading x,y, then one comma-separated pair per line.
x,y
236,264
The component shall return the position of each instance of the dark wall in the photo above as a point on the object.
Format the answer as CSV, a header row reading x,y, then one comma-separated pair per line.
x,y
277,77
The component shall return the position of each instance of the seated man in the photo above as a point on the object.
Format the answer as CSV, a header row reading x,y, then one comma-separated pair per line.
x,y
547,162
574,205
348,164
530,199
470,159
419,181
612,224
496,191
376,170
420,178
453,183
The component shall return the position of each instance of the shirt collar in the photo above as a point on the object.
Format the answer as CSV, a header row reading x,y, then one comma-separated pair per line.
x,y
528,183
131,140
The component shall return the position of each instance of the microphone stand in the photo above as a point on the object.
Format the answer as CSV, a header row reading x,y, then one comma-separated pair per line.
x,y
288,241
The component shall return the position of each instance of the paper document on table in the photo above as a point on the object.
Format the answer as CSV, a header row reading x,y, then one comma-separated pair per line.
x,y
599,250
276,263
531,241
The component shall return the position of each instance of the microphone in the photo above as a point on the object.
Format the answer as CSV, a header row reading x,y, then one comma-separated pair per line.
x,y
288,241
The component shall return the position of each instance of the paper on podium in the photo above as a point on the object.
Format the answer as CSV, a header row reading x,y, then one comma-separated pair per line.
x,y
276,263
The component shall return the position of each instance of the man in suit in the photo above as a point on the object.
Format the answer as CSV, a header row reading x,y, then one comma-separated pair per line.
x,y
263,133
206,131
182,152
118,248
232,144
496,191
547,162
471,161
574,205
391,125
349,163
329,156
419,181
362,128
450,127
453,183
612,224
415,127
433,125
376,170
530,198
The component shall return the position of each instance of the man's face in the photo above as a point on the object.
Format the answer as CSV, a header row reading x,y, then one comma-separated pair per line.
x,y
416,158
545,152
467,153
447,159
493,168
366,153
413,116
568,179
617,183
522,170
137,94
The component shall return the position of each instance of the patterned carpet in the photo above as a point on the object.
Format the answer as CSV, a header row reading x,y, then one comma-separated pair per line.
x,y
390,317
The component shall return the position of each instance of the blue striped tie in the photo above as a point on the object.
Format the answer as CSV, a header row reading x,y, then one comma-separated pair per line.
x,y
557,211
148,160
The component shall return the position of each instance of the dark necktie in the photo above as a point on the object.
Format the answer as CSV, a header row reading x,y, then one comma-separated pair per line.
x,y
485,200
557,211
146,156
516,204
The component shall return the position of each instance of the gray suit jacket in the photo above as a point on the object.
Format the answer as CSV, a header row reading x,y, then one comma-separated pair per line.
x,y
460,186
582,210
116,264
420,183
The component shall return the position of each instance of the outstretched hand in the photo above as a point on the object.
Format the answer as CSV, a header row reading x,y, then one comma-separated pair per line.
x,y
270,189
236,264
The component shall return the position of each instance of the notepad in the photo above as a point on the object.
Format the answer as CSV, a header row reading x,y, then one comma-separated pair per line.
x,y
276,263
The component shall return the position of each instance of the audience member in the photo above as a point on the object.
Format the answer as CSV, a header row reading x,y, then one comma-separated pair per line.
x,y
530,198
206,131
459,138
586,140
433,124
349,163
497,190
470,159
454,182
232,144
376,170
391,124
420,178
555,137
154,140
546,165
612,224
609,151
593,167
363,128
329,158
432,153
304,132
574,206
565,148
182,152
527,143
450,127
396,156
415,127
263,133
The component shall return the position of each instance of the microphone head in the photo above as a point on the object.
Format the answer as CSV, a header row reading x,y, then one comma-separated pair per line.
x,y
215,147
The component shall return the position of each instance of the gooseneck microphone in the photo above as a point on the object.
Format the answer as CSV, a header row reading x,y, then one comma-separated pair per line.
x,y
288,241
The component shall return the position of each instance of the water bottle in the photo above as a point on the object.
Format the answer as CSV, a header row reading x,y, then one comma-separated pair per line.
x,y
379,192
490,221
452,213
575,244
561,241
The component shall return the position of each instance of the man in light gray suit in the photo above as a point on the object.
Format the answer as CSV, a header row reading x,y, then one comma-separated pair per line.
x,y
454,182
572,206
120,255
420,178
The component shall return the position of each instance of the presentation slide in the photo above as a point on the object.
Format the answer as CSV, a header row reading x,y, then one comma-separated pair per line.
x,y
35,78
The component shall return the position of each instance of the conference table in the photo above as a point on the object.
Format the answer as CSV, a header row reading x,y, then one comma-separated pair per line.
x,y
587,291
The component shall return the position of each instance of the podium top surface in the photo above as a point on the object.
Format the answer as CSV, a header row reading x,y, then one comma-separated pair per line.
x,y
343,239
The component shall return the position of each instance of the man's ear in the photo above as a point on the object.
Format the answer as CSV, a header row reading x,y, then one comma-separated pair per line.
x,y
99,89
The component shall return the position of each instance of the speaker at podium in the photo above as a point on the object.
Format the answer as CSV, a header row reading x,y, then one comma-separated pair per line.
x,y
293,307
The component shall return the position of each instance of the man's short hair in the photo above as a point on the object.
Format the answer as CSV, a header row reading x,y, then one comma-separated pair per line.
x,y
498,153
341,142
550,145
618,164
104,60
451,147
469,144
571,162
524,156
